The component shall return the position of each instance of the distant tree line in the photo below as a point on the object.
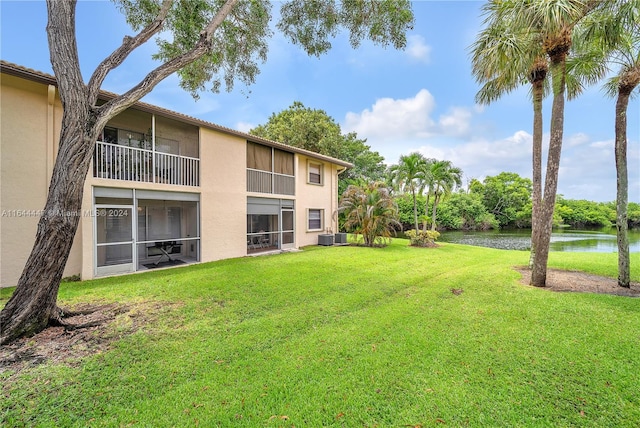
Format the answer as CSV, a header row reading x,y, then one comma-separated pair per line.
x,y
504,201
501,201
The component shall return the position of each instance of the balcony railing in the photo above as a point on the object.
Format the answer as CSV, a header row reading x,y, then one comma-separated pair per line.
x,y
119,162
268,182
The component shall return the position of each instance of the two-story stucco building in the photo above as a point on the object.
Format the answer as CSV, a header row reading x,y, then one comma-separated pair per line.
x,y
163,188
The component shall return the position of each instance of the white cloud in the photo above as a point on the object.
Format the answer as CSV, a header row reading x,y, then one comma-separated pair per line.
x,y
479,108
418,49
394,127
391,119
587,171
607,145
456,122
481,158
433,152
578,139
244,126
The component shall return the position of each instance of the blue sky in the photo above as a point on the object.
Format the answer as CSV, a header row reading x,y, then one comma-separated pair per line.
x,y
419,99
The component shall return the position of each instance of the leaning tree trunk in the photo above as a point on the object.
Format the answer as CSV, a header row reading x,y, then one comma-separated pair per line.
x,y
537,79
622,224
33,304
542,236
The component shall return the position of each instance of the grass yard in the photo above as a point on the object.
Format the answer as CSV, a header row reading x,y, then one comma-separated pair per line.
x,y
350,336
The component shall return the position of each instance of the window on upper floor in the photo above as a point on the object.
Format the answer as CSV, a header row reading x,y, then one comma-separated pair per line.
x,y
315,173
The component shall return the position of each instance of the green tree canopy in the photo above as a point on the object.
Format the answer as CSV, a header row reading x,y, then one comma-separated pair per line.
x,y
505,195
465,211
315,130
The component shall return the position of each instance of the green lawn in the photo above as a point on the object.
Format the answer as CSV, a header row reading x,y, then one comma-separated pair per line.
x,y
351,336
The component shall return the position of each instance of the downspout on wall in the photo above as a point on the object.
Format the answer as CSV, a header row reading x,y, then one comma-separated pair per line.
x,y
334,211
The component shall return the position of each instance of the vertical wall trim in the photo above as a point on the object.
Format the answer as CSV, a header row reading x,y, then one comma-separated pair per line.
x,y
51,137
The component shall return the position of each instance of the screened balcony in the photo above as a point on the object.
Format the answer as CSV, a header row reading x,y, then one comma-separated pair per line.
x,y
269,170
133,156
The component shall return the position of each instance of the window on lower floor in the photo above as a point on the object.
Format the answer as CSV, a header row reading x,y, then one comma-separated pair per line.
x,y
315,217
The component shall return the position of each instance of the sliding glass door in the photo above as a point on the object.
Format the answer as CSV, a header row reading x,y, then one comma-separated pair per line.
x,y
114,239
287,216
270,224
167,232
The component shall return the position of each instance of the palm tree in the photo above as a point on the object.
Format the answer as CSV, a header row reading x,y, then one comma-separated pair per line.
x,y
615,38
370,211
445,177
503,58
409,175
521,33
624,84
552,22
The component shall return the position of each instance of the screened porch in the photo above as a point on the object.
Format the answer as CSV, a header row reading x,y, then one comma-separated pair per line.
x,y
147,230
270,225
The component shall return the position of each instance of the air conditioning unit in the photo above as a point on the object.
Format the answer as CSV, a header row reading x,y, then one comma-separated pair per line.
x,y
340,238
326,240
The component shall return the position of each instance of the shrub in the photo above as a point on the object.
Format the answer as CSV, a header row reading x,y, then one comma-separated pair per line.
x,y
422,238
371,212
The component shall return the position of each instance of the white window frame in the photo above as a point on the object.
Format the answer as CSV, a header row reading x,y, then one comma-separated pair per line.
x,y
320,167
321,211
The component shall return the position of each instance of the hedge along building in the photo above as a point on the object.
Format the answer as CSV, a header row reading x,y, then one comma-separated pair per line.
x,y
163,188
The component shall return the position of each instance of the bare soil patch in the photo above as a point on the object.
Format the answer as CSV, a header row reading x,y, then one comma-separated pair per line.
x,y
572,281
105,323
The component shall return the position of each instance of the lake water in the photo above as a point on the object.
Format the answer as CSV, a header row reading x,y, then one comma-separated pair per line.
x,y
600,241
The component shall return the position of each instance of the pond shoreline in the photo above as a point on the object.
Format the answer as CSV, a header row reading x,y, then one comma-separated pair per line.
x,y
570,240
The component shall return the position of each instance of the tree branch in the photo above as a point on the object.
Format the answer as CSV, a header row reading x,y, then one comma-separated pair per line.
x,y
124,101
129,44
61,34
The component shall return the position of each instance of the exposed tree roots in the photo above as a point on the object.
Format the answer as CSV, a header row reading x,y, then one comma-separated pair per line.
x,y
78,332
61,313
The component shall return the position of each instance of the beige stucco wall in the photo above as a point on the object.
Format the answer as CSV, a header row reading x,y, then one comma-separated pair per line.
x,y
223,202
30,117
315,196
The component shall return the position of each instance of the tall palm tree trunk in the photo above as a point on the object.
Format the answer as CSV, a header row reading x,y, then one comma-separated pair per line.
x,y
622,187
415,209
433,214
542,236
426,209
537,78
